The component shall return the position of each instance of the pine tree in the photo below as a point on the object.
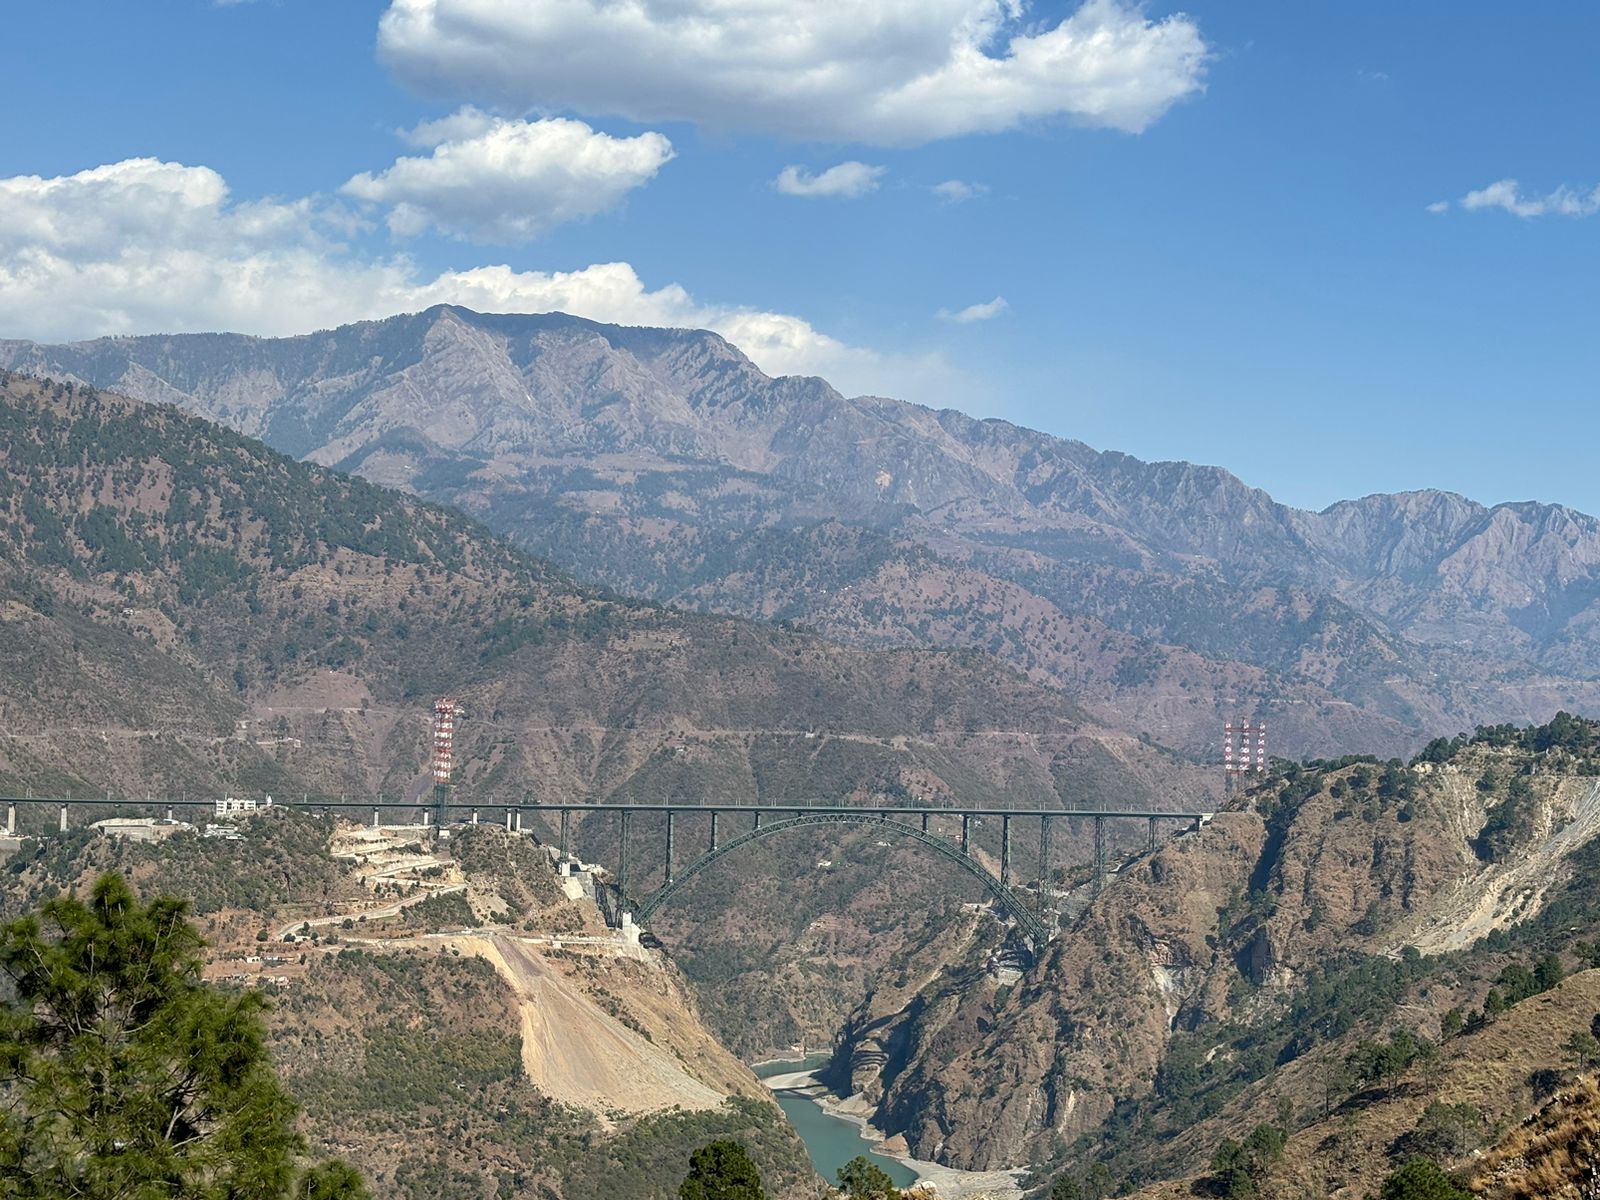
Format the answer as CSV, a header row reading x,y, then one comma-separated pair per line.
x,y
1421,1179
721,1170
123,1076
863,1179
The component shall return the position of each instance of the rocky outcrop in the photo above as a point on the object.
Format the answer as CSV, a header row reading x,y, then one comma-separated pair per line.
x,y
995,1074
1193,952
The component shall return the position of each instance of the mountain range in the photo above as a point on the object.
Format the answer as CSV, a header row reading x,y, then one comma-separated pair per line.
x,y
184,611
1164,597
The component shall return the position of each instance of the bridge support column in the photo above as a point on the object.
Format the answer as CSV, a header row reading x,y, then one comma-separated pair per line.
x,y
519,821
564,815
374,818
758,820
671,846
924,822
1005,850
1044,858
622,857
474,816
11,818
169,812
426,818
63,818
713,829
1099,855
1152,835
966,831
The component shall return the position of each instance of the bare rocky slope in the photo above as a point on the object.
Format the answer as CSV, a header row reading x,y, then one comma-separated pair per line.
x,y
412,998
1243,975
1167,595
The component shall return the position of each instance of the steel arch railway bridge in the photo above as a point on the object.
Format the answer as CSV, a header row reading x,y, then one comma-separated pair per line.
x,y
728,828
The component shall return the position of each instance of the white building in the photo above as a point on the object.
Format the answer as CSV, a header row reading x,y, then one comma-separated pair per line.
x,y
229,806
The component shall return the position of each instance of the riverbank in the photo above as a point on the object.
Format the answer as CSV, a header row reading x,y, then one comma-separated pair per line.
x,y
948,1182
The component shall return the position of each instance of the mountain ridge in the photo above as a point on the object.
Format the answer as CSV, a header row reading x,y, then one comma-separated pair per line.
x,y
649,459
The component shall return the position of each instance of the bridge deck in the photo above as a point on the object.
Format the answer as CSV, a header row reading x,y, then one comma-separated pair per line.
x,y
530,806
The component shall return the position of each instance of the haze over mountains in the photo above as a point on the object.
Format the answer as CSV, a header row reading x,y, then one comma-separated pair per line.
x,y
1166,596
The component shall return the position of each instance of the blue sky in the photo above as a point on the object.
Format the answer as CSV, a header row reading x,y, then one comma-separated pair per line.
x,y
1232,260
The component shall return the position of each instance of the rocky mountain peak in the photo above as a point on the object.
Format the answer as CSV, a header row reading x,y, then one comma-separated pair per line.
x,y
664,462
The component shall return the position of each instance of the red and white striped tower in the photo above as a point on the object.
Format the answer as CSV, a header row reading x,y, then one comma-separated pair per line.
x,y
444,739
1244,749
444,754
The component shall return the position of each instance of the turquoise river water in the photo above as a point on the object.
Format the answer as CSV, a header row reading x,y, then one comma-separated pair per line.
x,y
831,1141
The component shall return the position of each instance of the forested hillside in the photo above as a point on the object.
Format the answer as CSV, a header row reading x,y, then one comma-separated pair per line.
x,y
187,611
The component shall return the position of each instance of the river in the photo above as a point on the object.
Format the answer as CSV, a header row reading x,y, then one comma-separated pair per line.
x,y
831,1141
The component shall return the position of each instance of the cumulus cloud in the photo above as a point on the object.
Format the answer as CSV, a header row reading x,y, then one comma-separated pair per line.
x,y
898,72
494,180
954,191
1507,195
975,312
144,246
847,180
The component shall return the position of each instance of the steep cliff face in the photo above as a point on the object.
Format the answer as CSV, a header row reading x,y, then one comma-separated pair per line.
x,y
662,462
1232,956
998,1074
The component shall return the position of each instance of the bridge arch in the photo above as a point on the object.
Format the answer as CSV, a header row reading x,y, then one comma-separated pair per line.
x,y
1028,923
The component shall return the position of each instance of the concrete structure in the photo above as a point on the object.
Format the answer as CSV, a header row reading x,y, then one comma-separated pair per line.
x,y
230,806
141,829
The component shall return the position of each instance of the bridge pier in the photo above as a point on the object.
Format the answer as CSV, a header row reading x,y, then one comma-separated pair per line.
x,y
11,819
758,819
966,832
474,816
519,821
1044,858
622,858
671,846
425,818
1099,855
564,815
924,822
713,829
63,818
508,820
1152,835
1005,850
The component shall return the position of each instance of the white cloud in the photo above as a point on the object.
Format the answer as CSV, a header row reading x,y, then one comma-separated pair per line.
x,y
892,73
848,180
975,312
494,180
955,191
1439,206
143,246
466,123
1507,195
